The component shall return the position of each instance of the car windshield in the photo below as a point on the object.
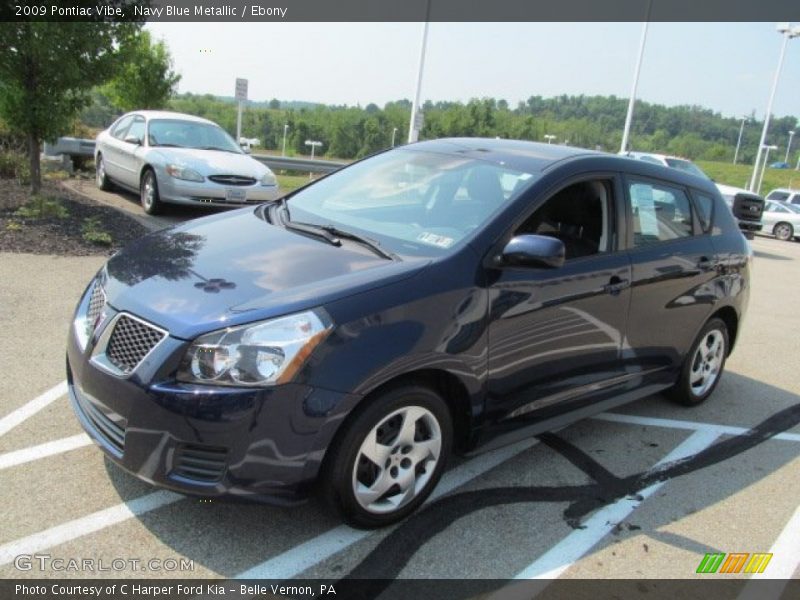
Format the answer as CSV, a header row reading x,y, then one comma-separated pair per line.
x,y
414,202
190,134
686,166
792,207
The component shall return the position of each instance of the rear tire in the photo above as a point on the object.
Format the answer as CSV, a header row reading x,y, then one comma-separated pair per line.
x,y
703,365
148,193
389,458
783,231
101,178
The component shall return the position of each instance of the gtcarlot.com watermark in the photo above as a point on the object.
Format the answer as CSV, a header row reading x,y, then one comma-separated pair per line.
x,y
48,563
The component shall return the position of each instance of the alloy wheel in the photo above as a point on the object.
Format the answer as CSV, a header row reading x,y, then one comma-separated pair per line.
x,y
148,191
707,362
397,459
783,231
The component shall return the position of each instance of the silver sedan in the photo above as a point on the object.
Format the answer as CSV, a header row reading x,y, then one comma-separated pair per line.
x,y
782,220
181,159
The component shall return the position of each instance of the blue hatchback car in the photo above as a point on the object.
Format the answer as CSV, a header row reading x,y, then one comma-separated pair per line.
x,y
446,296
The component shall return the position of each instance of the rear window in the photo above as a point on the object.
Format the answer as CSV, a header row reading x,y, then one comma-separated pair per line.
x,y
660,213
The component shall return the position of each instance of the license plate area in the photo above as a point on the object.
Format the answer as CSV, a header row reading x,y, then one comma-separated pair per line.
x,y
235,195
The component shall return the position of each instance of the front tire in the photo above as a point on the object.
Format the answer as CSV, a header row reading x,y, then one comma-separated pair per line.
x,y
148,193
703,366
783,231
101,178
390,457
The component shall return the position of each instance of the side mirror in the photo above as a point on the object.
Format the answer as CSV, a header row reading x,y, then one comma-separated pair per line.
x,y
533,251
132,139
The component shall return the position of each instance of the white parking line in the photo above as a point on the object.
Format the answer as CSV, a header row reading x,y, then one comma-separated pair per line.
x,y
19,457
783,564
563,555
26,411
85,525
688,425
304,556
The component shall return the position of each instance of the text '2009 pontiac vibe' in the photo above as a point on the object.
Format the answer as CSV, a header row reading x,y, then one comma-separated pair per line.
x,y
447,296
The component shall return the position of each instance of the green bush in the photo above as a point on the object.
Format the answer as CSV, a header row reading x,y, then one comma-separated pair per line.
x,y
42,207
94,233
14,226
14,166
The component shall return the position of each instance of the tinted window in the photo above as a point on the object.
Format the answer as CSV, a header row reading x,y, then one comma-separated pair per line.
x,y
121,127
660,213
704,205
776,195
796,199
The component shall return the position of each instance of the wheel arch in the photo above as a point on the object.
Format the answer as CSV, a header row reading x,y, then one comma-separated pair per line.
x,y
729,316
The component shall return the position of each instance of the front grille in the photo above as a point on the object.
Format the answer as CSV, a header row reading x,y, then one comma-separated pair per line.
x,y
748,208
110,431
96,303
130,342
232,179
200,463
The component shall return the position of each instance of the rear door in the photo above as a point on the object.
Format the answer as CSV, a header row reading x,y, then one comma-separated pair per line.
x,y
128,150
673,265
114,147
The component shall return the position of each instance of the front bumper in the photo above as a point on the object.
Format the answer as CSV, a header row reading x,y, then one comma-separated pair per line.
x,y
179,191
259,444
750,225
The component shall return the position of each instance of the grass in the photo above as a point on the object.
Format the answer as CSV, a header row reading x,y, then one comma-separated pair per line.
x,y
288,183
42,207
92,231
739,175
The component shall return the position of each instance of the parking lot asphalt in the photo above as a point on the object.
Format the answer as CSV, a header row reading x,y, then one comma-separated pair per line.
x,y
644,492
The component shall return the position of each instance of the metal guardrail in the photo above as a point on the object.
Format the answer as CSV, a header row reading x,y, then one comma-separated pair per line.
x,y
81,147
306,165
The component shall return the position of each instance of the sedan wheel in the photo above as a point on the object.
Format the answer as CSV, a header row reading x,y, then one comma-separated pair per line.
x,y
100,173
783,231
149,193
389,457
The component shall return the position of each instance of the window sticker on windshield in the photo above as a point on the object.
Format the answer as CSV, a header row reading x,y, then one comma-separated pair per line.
x,y
435,240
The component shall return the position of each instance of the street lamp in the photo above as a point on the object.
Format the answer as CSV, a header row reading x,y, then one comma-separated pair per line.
x,y
788,147
313,144
549,137
739,141
788,33
764,167
626,133
394,133
285,129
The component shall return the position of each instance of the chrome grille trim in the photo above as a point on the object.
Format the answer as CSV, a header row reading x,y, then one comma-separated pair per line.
x,y
97,302
232,179
125,343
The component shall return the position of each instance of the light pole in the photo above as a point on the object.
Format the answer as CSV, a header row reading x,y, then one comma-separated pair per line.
x,y
788,147
415,124
626,133
739,141
394,133
285,129
549,137
764,166
313,144
788,33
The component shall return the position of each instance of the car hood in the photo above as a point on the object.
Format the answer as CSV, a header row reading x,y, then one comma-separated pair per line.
x,y
212,162
235,268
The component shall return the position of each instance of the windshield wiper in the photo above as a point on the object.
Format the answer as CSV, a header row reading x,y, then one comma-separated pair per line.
x,y
218,148
167,146
360,239
314,230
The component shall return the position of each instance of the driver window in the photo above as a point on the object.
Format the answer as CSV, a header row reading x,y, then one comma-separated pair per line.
x,y
579,215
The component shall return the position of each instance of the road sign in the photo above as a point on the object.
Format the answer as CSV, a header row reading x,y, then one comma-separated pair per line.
x,y
419,120
241,89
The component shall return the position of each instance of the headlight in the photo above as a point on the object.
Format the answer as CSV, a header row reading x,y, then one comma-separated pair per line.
x,y
265,353
269,179
181,172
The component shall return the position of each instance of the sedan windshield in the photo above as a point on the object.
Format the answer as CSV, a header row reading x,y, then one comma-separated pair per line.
x,y
190,134
414,202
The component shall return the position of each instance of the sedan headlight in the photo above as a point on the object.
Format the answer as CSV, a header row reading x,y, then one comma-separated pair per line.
x,y
269,179
264,353
181,172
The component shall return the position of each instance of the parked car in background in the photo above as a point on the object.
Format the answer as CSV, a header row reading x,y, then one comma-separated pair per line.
x,y
443,296
779,165
785,195
673,162
181,159
782,220
746,207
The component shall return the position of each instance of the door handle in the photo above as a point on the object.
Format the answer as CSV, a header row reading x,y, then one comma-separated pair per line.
x,y
615,285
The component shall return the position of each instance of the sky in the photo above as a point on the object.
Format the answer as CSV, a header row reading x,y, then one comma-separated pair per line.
x,y
727,67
